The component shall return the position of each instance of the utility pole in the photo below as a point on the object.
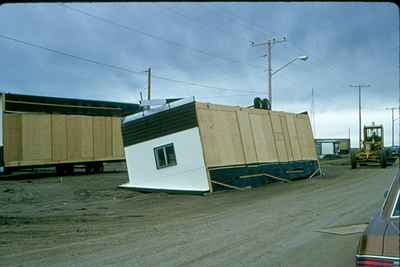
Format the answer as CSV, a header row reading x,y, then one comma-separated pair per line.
x,y
313,111
148,83
392,109
269,45
359,86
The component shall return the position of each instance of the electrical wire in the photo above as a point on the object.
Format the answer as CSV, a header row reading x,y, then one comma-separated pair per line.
x,y
194,84
70,55
153,36
261,29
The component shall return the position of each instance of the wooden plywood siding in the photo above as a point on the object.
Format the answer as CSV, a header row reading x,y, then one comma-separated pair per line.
x,y
12,137
233,135
32,139
117,146
293,137
59,138
99,137
220,135
263,137
36,138
306,139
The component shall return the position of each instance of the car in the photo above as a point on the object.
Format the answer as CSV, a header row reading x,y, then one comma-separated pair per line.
x,y
379,245
396,151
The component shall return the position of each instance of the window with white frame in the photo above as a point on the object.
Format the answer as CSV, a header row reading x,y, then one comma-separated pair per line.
x,y
165,156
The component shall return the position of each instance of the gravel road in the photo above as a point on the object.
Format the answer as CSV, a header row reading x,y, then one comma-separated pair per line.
x,y
84,220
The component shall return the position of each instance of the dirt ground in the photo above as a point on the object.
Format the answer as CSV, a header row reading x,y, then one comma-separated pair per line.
x,y
85,220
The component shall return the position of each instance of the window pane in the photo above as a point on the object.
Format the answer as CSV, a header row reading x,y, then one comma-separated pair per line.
x,y
160,158
171,158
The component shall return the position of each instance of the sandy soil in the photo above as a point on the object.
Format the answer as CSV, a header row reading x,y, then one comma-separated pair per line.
x,y
84,220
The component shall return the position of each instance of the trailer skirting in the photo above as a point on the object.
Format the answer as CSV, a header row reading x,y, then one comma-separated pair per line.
x,y
233,175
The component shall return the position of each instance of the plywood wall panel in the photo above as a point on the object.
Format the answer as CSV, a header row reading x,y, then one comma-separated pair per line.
x,y
263,137
36,137
221,137
59,138
108,136
253,135
86,138
118,149
306,138
12,138
294,140
99,135
279,137
32,138
73,137
246,133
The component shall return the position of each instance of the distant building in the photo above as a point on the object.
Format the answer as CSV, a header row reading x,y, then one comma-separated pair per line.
x,y
332,146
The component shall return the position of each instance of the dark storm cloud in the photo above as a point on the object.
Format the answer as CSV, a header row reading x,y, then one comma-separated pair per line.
x,y
346,43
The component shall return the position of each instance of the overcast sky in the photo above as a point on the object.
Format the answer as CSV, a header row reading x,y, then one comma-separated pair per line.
x,y
208,44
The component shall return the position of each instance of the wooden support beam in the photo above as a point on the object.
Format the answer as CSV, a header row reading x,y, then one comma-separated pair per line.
x,y
268,175
314,173
227,185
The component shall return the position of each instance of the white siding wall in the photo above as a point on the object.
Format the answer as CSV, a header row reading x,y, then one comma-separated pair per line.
x,y
189,174
327,148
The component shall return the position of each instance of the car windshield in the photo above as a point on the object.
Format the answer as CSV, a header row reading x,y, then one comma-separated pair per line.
x,y
396,208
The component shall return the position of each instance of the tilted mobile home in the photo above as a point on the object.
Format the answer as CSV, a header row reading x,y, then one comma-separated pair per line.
x,y
201,147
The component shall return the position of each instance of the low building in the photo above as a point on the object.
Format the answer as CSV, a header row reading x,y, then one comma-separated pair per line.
x,y
200,147
332,146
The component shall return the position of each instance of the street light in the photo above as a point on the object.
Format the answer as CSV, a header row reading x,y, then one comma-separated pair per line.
x,y
304,58
269,44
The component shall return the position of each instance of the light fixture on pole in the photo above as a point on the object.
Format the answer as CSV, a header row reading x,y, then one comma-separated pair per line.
x,y
304,58
269,44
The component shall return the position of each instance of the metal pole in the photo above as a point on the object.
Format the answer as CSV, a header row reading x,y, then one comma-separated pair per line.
x,y
269,44
359,110
359,115
392,109
392,127
313,111
149,84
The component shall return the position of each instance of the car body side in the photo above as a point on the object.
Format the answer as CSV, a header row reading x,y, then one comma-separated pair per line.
x,y
381,239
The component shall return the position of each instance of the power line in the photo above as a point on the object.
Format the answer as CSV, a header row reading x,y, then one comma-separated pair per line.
x,y
202,24
198,21
70,55
261,30
202,85
240,20
153,36
229,95
194,84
